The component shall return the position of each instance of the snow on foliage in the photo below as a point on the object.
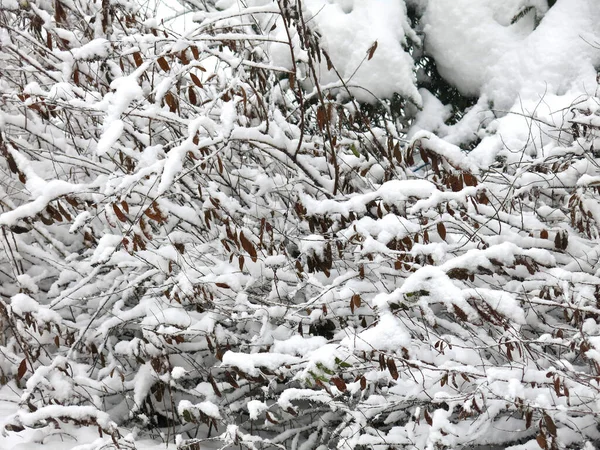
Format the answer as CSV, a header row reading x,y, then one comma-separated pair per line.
x,y
291,227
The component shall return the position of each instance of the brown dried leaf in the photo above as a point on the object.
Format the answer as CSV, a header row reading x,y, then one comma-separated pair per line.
x,y
321,118
171,102
558,241
428,418
392,368
192,95
556,385
541,440
441,229
469,179
64,212
528,418
248,247
371,51
196,80
230,379
54,213
137,58
550,425
339,383
22,369
213,383
120,215
164,65
363,383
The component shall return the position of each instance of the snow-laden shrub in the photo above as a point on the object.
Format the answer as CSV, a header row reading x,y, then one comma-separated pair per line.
x,y
220,236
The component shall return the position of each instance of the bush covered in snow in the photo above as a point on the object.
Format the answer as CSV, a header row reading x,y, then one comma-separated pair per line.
x,y
317,224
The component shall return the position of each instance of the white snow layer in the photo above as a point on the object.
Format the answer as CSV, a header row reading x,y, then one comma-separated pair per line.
x,y
478,50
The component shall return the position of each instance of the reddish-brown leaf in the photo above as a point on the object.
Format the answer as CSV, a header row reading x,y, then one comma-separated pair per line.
x,y
137,58
544,234
382,365
213,383
120,215
556,385
541,440
321,118
392,368
565,241
230,379
423,154
248,247
339,383
54,213
469,179
22,369
63,211
196,80
363,383
171,102
550,425
528,418
192,95
428,418
164,65
441,229
45,219
558,241
371,51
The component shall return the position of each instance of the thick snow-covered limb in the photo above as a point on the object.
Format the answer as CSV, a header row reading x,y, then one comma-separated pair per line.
x,y
77,413
456,157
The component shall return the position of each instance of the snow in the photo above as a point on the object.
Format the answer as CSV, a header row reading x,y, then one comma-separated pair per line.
x,y
349,29
43,192
249,363
208,408
392,192
255,408
22,303
110,136
298,345
471,318
27,282
454,155
388,335
291,394
432,116
106,247
96,48
178,372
